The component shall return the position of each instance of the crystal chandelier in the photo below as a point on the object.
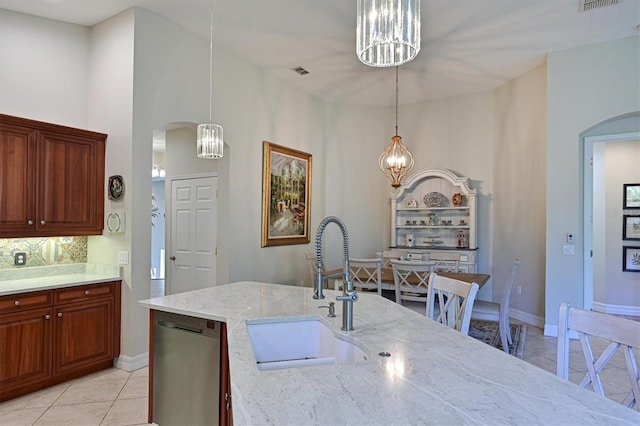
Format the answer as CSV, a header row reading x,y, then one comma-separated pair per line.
x,y
396,160
388,32
210,142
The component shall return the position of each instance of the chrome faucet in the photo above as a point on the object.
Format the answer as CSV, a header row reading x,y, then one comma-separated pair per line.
x,y
348,293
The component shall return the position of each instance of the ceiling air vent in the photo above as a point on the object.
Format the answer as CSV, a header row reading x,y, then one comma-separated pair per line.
x,y
300,70
586,5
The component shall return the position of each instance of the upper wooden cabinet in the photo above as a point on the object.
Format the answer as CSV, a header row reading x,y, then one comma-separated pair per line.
x,y
51,179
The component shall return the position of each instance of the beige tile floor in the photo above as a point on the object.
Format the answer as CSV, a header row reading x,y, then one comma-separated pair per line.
x,y
116,397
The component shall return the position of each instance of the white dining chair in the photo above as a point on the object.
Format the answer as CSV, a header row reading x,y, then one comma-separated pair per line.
x,y
313,266
388,255
411,282
450,302
366,274
498,311
445,262
620,333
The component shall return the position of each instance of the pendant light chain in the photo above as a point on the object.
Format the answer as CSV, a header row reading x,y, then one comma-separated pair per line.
x,y
210,140
211,62
396,100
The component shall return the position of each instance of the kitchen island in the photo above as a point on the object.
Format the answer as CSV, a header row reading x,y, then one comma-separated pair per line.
x,y
434,375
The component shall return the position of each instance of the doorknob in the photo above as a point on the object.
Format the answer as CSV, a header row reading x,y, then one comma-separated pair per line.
x,y
172,258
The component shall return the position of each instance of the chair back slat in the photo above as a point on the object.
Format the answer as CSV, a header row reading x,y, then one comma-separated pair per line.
x,y
411,280
454,299
622,334
366,273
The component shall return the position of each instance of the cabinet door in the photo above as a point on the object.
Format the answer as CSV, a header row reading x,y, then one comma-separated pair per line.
x,y
17,179
71,175
25,350
83,335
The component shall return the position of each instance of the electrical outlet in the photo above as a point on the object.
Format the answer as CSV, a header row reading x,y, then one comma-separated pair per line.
x,y
519,290
20,258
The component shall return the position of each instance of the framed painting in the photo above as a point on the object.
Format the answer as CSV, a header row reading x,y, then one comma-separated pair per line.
x,y
631,227
631,195
286,195
631,259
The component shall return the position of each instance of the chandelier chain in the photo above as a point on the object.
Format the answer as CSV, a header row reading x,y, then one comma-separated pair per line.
x,y
210,61
396,100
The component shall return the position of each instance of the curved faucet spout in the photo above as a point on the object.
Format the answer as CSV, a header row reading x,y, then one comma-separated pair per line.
x,y
349,295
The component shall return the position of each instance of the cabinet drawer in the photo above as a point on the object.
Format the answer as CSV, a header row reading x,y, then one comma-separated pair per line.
x,y
84,292
25,301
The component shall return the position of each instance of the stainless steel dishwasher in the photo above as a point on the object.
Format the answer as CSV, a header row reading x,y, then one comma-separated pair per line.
x,y
186,370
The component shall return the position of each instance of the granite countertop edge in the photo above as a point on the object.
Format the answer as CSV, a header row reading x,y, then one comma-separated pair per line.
x,y
24,280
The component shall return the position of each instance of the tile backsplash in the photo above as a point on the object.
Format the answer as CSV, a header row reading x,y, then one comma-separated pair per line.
x,y
43,251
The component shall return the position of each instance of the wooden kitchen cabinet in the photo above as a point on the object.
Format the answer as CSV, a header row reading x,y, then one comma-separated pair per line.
x,y
51,179
25,351
52,336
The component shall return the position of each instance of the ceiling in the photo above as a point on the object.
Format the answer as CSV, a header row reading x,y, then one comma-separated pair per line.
x,y
467,45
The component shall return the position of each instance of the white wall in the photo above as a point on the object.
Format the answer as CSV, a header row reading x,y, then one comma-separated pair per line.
x,y
586,86
519,198
622,165
44,71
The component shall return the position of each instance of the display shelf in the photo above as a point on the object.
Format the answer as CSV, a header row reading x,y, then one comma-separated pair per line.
x,y
424,205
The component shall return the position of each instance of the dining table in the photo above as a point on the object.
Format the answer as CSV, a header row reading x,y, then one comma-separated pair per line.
x,y
387,283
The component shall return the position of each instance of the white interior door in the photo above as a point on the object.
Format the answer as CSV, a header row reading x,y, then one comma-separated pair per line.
x,y
193,236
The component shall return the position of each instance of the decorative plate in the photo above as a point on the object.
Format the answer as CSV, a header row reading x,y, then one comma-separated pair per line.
x,y
435,199
116,187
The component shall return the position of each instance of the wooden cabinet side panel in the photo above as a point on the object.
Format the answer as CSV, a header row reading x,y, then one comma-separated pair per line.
x,y
25,350
226,406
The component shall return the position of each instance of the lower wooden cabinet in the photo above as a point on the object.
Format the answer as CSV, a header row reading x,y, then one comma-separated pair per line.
x,y
76,334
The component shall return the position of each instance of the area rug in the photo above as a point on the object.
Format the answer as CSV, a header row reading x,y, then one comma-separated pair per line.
x,y
489,333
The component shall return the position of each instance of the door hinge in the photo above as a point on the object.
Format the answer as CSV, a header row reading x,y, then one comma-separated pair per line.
x,y
216,194
216,251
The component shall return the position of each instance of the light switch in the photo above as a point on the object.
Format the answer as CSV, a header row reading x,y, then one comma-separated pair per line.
x,y
123,257
568,250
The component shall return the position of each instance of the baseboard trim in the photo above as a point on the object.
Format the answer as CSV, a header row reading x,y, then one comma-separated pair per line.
x,y
616,309
526,317
131,363
551,330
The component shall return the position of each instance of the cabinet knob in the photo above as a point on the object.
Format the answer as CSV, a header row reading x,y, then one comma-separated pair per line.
x,y
29,222
17,303
47,317
59,314
86,292
42,222
172,258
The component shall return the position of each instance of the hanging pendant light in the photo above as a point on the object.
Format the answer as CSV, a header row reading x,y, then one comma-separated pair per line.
x,y
210,142
388,32
396,160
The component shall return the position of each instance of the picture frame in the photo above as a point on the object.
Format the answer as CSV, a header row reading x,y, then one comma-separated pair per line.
x,y
630,259
286,195
631,195
631,227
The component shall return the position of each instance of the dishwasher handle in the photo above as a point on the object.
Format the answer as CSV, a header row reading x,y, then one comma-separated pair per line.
x,y
168,324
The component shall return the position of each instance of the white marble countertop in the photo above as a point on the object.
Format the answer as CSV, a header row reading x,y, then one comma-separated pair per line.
x,y
435,375
13,281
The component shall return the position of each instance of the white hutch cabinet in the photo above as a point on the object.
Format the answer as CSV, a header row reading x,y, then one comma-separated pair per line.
x,y
435,211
